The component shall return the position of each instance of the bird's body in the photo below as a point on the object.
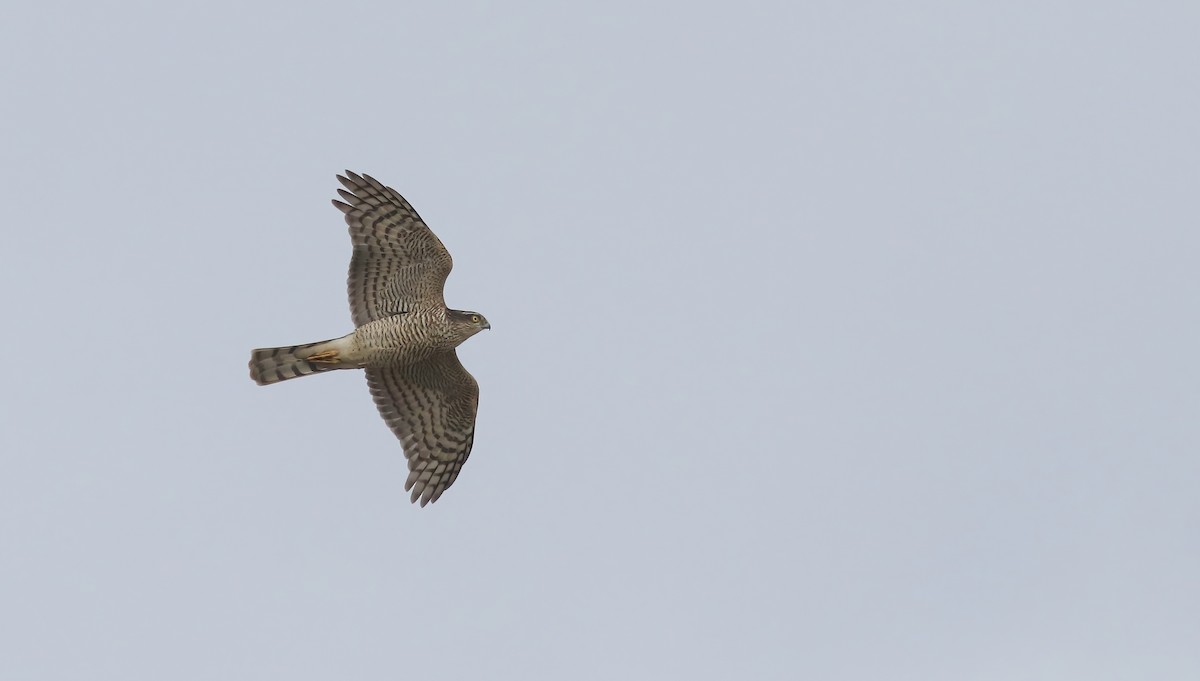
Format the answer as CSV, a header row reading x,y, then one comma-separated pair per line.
x,y
396,340
405,337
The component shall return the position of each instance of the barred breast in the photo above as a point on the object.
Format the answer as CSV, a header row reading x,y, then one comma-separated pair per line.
x,y
400,339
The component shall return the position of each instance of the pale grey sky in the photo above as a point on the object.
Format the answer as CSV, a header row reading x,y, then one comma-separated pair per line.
x,y
831,341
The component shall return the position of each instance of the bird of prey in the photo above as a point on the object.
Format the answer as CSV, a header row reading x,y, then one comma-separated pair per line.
x,y
404,337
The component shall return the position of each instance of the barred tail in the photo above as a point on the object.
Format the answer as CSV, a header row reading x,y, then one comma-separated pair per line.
x,y
272,365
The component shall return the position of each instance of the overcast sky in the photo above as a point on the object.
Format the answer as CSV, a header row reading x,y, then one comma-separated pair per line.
x,y
831,340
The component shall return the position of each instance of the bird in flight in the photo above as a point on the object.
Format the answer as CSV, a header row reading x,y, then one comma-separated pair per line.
x,y
404,337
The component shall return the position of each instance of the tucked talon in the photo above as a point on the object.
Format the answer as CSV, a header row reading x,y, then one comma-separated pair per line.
x,y
329,356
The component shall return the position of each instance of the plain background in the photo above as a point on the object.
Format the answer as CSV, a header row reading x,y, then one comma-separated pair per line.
x,y
831,340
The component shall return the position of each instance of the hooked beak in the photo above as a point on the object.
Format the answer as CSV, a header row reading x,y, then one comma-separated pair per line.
x,y
487,325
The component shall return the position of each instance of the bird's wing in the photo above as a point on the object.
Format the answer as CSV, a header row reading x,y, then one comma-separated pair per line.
x,y
430,406
398,263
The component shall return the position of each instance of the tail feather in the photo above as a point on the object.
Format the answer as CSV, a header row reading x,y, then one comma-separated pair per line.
x,y
272,365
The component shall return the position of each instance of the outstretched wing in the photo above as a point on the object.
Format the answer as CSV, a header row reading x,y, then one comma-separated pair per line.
x,y
431,407
398,263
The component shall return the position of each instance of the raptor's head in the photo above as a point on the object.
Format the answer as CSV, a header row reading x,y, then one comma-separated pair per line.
x,y
468,323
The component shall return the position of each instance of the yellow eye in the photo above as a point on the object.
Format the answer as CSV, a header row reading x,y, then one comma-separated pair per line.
x,y
475,318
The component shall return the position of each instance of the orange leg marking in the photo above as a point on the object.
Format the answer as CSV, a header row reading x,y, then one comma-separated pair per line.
x,y
327,357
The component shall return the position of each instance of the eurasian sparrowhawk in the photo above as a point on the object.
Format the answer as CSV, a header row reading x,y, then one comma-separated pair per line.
x,y
404,338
